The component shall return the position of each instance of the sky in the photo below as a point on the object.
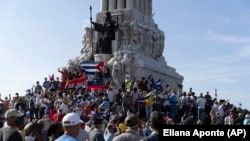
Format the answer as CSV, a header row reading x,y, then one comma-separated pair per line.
x,y
208,42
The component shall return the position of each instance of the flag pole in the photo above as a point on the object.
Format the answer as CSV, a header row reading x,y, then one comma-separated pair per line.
x,y
91,32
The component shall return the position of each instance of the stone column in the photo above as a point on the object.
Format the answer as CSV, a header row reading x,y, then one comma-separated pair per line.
x,y
146,7
150,8
112,4
104,5
137,5
120,4
130,4
142,6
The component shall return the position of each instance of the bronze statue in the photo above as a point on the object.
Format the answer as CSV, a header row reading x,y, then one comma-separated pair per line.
x,y
108,29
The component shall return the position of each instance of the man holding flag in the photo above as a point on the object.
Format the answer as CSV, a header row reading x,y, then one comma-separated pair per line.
x,y
158,86
148,99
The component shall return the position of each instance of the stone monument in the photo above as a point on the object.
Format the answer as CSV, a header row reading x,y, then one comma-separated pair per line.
x,y
137,49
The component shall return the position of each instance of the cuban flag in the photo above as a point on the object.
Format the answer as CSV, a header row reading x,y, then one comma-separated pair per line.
x,y
91,68
158,84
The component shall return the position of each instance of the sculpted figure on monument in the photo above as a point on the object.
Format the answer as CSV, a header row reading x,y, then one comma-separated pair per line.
x,y
117,69
138,65
86,51
161,43
141,38
126,64
86,41
125,33
108,29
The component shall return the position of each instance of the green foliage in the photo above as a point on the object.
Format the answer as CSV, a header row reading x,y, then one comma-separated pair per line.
x,y
22,99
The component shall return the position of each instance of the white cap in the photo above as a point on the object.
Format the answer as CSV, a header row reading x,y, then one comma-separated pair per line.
x,y
12,113
71,119
247,116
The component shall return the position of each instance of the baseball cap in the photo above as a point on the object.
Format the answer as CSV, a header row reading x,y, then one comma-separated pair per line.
x,y
71,119
12,113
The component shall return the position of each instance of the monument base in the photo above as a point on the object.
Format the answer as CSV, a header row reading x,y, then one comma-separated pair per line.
x,y
158,69
102,57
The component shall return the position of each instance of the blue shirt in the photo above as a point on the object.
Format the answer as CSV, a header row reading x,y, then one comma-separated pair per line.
x,y
66,138
108,136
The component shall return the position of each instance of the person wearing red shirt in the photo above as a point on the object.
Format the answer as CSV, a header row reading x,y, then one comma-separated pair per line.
x,y
5,102
57,117
87,108
52,111
64,74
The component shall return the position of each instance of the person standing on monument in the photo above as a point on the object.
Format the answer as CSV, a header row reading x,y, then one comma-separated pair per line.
x,y
108,29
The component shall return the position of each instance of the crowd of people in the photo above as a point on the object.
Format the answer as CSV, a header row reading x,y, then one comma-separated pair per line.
x,y
136,111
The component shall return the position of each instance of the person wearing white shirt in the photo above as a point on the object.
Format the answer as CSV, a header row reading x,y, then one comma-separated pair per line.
x,y
43,105
92,93
64,107
221,109
38,97
229,119
77,109
110,95
200,102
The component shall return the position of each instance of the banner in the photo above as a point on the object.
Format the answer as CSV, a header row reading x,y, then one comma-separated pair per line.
x,y
100,87
76,82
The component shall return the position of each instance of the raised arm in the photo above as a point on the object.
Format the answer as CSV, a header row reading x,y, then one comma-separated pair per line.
x,y
9,97
1,98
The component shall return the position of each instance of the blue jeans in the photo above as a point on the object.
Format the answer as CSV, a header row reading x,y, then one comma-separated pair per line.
x,y
149,110
200,112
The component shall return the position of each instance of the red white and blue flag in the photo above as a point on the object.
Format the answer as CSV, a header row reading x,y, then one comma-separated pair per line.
x,y
158,84
91,68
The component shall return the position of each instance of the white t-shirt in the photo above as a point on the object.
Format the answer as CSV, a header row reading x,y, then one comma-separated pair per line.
x,y
65,108
221,110
110,95
43,102
38,97
201,102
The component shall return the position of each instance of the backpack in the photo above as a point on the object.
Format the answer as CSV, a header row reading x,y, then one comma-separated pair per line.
x,y
173,99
